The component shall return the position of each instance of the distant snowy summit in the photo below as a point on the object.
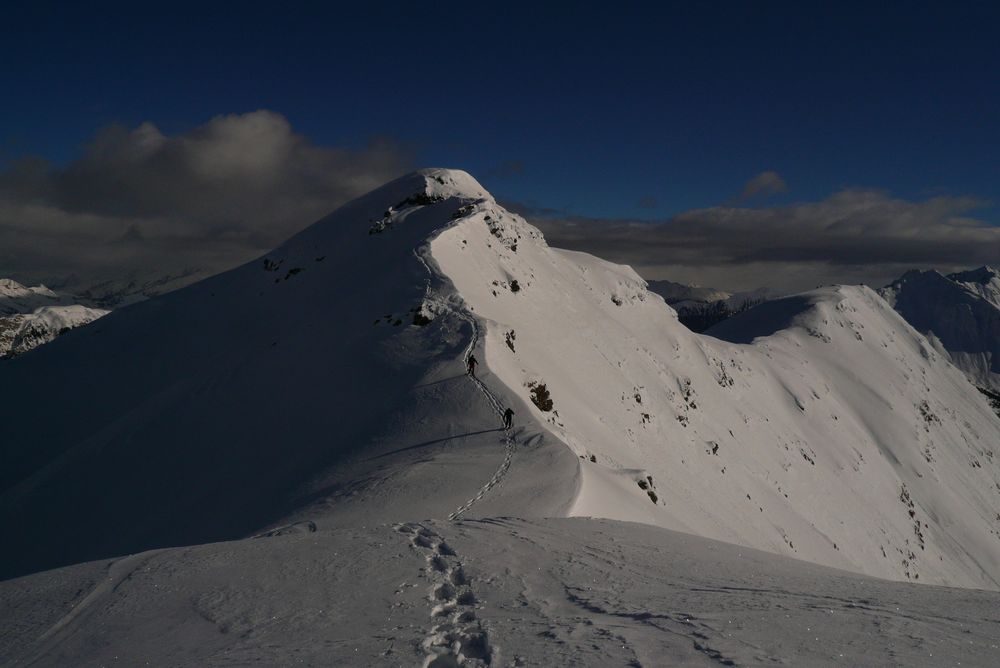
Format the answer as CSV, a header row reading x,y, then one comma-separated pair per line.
x,y
699,308
959,314
17,298
33,316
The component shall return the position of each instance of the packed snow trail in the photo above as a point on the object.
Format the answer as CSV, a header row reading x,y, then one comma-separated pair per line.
x,y
457,638
509,441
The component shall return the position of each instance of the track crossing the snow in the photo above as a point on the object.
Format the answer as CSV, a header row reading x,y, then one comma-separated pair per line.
x,y
509,442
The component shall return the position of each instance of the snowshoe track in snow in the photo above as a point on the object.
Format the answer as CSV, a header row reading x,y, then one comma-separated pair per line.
x,y
456,637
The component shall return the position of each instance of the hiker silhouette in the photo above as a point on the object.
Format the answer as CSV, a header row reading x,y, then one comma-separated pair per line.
x,y
508,418
473,363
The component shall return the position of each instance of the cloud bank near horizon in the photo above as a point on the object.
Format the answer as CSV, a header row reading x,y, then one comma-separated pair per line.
x,y
139,201
853,236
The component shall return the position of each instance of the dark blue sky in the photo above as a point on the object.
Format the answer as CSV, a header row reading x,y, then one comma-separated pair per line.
x,y
592,110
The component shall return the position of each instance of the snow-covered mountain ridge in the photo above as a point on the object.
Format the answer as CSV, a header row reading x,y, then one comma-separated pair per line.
x,y
17,298
985,281
819,426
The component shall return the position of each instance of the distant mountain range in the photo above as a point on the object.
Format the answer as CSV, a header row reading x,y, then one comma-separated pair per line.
x,y
32,316
699,308
959,314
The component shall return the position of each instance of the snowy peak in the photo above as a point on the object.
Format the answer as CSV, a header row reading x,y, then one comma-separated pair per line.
x,y
17,298
982,275
984,281
11,288
446,183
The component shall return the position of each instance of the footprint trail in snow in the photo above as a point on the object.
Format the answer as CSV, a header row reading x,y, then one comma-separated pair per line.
x,y
456,637
509,442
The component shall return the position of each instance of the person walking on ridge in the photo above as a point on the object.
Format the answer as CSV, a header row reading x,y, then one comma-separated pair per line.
x,y
508,417
473,363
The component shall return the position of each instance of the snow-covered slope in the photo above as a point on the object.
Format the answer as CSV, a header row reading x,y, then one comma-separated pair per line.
x,y
32,316
557,592
960,315
824,428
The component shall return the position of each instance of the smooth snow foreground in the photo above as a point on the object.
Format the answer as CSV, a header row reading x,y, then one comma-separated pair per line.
x,y
502,592
317,399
